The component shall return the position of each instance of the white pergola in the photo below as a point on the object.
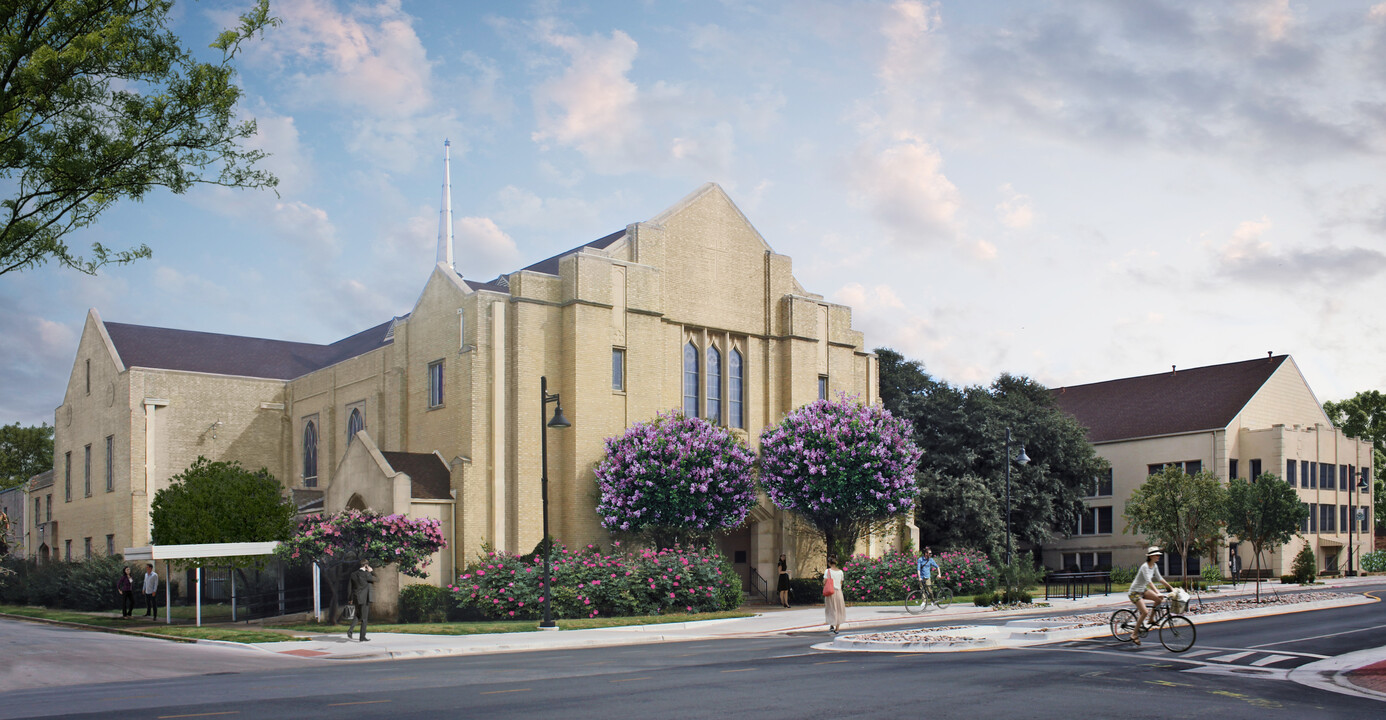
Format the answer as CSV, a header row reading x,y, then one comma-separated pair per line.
x,y
168,553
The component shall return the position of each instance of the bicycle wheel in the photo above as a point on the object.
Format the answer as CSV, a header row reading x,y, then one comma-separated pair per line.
x,y
1177,633
1123,625
914,602
943,596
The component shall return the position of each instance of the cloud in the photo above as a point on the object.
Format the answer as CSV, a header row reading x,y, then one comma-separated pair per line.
x,y
1014,209
1250,258
909,54
35,361
305,225
903,186
592,105
487,250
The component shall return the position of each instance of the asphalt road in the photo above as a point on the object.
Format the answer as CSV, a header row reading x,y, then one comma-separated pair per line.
x,y
1237,670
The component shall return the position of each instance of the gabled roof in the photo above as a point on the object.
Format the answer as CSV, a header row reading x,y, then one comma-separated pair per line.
x,y
1180,401
168,349
428,475
549,266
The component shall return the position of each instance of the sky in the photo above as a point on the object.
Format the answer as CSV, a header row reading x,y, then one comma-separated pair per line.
x,y
1074,191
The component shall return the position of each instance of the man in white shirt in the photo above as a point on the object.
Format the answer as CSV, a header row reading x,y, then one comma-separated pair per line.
x,y
151,592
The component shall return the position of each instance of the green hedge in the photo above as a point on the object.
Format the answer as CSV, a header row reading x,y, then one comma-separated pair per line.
x,y
420,603
1374,561
80,585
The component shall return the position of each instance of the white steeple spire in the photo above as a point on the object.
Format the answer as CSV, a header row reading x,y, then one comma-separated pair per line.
x,y
445,216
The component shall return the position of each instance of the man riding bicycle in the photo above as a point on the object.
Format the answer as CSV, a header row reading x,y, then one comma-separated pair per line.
x,y
925,567
1142,591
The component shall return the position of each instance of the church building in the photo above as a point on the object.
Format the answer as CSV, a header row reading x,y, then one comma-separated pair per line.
x,y
437,413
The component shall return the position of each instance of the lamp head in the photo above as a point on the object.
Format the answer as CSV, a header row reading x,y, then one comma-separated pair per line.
x,y
558,420
1022,458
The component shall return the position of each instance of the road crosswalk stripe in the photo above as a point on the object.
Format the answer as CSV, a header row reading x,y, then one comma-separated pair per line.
x,y
1271,659
1234,657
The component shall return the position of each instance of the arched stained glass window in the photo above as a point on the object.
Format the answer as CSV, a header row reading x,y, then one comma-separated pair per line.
x,y
714,385
355,424
736,390
690,380
310,454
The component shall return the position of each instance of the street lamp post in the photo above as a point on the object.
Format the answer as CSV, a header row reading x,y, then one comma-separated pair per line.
x,y
1355,516
1021,458
558,421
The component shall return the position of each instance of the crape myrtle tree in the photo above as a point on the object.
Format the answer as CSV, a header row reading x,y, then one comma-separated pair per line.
x,y
844,467
99,103
675,479
1265,513
1177,510
1364,416
339,542
962,476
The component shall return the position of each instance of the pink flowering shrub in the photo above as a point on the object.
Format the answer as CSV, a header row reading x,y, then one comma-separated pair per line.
x,y
354,535
892,576
588,583
965,572
675,477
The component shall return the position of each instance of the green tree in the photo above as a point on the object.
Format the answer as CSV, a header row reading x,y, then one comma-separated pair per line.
x,y
24,453
962,475
1177,510
99,102
1363,416
1265,513
221,502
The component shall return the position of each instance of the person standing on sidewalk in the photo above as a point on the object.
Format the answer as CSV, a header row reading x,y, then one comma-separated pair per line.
x,y
782,583
151,592
1234,564
125,585
833,604
361,595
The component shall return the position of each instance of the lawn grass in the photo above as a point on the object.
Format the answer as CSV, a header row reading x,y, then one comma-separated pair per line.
x,y
181,632
488,627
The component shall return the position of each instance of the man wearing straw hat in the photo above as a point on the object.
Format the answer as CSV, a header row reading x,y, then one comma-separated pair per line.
x,y
1142,591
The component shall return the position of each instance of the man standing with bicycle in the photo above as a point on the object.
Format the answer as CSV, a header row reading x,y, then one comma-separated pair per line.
x,y
1142,591
925,568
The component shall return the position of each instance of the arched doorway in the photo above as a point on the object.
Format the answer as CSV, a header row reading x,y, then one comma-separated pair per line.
x,y
355,502
43,554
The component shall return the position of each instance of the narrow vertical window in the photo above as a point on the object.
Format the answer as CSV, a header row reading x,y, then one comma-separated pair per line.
x,y
714,386
822,387
67,476
435,384
736,389
1305,474
38,511
1232,469
48,515
461,329
1290,467
1255,469
88,376
690,380
86,546
110,463
310,454
67,550
86,471
110,545
355,424
618,369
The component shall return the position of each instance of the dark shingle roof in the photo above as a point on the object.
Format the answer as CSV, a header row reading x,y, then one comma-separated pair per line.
x,y
167,349
1203,398
549,266
428,475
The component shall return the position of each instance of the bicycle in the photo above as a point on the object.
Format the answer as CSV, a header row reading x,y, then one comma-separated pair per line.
x,y
918,601
1177,633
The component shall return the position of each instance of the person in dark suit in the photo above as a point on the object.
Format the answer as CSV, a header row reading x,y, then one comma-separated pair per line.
x,y
361,595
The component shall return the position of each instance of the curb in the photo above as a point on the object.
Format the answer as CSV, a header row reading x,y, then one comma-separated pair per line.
x,y
1331,674
101,628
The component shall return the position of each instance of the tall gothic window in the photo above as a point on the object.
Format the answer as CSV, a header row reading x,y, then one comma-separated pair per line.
x,y
714,386
736,389
355,424
690,380
310,454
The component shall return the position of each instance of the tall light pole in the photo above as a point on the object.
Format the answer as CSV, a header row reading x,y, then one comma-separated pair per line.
x,y
1355,516
1022,458
558,421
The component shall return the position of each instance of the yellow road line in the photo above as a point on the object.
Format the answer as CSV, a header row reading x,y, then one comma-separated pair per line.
x,y
831,662
647,677
741,670
359,702
496,692
228,712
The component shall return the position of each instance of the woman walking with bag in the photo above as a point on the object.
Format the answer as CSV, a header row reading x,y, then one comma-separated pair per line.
x,y
833,604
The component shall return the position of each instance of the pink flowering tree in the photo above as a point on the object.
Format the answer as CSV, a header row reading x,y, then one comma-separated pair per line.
x,y
340,541
843,466
675,479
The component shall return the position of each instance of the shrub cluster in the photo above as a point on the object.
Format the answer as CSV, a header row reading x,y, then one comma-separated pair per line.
x,y
588,583
965,571
1122,575
1305,568
886,578
1211,574
80,585
1374,561
422,603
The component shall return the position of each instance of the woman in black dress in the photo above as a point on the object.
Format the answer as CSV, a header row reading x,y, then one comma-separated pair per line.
x,y
783,583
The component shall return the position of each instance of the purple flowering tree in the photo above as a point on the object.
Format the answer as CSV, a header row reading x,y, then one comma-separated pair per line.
x,y
842,466
342,540
675,479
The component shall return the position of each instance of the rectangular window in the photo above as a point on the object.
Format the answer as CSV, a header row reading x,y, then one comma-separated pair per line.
x,y
49,514
1070,561
1104,520
1342,477
822,387
110,545
88,377
1232,469
1193,467
1102,484
38,515
1325,476
1366,520
1313,517
1104,561
1088,524
618,369
1304,523
67,550
1290,467
67,476
1255,469
1306,474
110,463
1326,518
86,547
435,384
1365,483
86,470
1154,469
1343,518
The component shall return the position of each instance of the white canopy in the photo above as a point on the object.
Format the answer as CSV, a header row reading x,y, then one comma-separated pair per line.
x,y
150,553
